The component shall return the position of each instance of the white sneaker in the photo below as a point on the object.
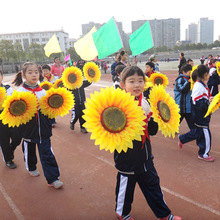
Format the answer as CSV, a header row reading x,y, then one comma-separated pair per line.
x,y
34,173
56,184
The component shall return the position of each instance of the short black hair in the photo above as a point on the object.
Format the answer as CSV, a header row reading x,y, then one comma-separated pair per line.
x,y
45,66
186,68
182,54
151,64
130,71
119,68
55,58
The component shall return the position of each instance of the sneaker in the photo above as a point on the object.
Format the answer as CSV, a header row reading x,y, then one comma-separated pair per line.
x,y
11,165
71,126
127,217
83,130
180,145
56,184
34,173
208,159
171,217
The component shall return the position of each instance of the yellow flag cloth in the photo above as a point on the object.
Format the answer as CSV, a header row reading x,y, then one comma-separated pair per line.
x,y
52,46
85,46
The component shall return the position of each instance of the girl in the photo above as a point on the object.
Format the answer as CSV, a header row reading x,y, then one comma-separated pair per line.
x,y
136,165
9,137
201,98
37,131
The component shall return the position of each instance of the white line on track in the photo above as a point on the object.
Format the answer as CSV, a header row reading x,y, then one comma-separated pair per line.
x,y
11,203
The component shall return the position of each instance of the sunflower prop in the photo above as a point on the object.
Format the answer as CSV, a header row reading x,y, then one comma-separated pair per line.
x,y
19,108
58,83
56,102
72,77
91,72
214,105
46,85
165,111
147,84
159,79
218,68
191,80
114,119
3,96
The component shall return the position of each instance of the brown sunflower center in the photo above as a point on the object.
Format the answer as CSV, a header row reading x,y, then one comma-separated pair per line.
x,y
18,107
55,101
46,87
72,78
91,72
60,84
158,81
113,119
164,111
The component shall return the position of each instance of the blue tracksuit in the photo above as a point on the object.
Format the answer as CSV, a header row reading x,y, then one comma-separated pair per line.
x,y
38,132
201,132
214,81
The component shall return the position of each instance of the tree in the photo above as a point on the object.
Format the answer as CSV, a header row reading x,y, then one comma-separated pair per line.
x,y
7,52
19,52
35,52
73,55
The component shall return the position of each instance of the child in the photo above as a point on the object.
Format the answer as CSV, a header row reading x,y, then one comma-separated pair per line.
x,y
9,136
77,110
118,70
200,102
183,94
136,165
48,76
214,79
190,61
37,131
149,68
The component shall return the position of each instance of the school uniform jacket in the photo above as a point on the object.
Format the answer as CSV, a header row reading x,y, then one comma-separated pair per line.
x,y
200,104
8,89
39,127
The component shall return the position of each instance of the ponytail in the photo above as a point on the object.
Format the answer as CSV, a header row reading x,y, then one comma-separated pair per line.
x,y
18,79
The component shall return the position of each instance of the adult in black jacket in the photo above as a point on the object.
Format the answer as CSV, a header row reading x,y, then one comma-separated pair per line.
x,y
77,110
182,61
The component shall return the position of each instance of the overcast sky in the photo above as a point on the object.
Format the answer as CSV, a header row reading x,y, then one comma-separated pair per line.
x,y
46,15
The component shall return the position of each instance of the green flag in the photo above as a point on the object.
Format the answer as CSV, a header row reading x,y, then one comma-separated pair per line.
x,y
107,39
141,39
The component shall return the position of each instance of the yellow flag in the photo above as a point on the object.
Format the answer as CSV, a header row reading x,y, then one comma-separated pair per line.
x,y
85,46
52,46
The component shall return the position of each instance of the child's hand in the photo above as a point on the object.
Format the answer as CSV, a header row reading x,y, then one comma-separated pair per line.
x,y
210,99
189,80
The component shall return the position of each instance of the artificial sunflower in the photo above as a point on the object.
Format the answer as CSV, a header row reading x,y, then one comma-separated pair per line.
x,y
114,119
159,79
46,85
19,108
214,105
191,80
165,111
56,102
147,84
3,96
58,83
91,72
72,77
218,68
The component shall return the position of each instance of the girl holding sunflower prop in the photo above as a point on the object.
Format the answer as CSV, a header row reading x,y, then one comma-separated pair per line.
x,y
72,77
165,111
9,136
91,72
56,102
159,79
38,130
133,164
46,85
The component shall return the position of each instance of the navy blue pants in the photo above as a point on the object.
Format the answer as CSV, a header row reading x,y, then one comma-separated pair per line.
x,y
202,137
188,119
77,113
149,184
48,161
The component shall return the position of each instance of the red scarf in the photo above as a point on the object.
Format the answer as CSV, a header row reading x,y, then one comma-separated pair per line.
x,y
48,78
145,126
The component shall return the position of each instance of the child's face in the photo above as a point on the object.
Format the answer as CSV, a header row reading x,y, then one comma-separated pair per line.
x,y
32,75
148,69
187,73
46,72
1,79
191,63
134,84
206,77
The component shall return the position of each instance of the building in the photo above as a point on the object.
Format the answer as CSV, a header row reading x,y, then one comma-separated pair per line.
x,y
165,32
26,38
87,27
192,33
206,31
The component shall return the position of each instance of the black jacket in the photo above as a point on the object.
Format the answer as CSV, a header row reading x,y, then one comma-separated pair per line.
x,y
79,93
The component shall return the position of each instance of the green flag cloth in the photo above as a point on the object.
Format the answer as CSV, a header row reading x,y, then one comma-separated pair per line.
x,y
141,40
107,39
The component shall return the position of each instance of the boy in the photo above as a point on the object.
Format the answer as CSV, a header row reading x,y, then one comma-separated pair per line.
x,y
118,70
214,79
183,94
48,76
149,68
